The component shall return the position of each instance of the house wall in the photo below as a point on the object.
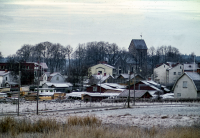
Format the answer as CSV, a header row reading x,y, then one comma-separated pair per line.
x,y
172,78
90,89
3,79
160,74
101,67
57,79
44,79
141,86
189,92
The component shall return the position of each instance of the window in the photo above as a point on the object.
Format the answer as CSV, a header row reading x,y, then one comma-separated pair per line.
x,y
178,95
180,67
94,89
184,84
57,78
6,78
100,72
174,73
120,70
179,73
164,66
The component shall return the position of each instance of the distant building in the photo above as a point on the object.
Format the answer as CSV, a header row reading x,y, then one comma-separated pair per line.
x,y
167,74
139,48
29,70
101,69
191,67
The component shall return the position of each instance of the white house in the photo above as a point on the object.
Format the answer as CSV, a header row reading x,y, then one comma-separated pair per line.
x,y
173,73
187,86
44,77
5,77
191,67
167,74
101,69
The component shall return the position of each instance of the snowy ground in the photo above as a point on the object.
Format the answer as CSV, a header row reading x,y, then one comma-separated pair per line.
x,y
141,115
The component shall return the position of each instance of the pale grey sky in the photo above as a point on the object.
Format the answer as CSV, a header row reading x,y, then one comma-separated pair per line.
x,y
70,22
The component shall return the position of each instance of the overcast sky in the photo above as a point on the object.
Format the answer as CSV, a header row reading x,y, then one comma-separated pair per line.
x,y
70,22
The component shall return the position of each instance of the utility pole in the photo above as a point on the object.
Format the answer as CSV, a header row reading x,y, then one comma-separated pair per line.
x,y
19,89
134,88
37,87
129,90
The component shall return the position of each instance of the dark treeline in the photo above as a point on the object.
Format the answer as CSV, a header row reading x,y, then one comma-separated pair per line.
x,y
54,55
75,63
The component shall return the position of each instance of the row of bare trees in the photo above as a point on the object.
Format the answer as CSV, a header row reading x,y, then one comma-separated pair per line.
x,y
54,55
75,63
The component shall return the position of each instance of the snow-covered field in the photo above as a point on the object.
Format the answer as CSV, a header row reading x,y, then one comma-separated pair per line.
x,y
141,115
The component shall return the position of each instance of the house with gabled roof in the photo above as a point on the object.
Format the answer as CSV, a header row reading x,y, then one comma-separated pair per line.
x,y
167,73
188,85
101,69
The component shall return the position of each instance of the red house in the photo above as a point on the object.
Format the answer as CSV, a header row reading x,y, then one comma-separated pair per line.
x,y
100,88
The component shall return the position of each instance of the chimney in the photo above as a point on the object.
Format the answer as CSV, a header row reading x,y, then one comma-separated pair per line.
x,y
149,78
6,70
104,74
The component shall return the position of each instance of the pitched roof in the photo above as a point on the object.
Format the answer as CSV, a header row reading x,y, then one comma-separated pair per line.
x,y
115,85
58,84
2,73
126,76
138,93
195,78
139,43
44,65
101,78
109,66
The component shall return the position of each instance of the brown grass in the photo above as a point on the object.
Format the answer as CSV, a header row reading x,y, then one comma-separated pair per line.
x,y
83,121
87,127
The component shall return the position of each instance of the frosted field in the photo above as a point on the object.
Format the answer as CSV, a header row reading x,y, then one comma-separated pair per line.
x,y
141,115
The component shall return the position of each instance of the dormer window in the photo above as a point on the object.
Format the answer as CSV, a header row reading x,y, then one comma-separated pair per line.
x,y
180,67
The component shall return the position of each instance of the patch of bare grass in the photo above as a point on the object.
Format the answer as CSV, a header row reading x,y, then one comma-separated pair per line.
x,y
13,126
83,121
87,127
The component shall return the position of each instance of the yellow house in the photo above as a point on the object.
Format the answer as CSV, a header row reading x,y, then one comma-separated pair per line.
x,y
101,69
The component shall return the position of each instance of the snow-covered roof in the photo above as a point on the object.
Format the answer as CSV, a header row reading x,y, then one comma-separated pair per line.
x,y
126,76
59,84
46,93
105,86
101,78
79,94
55,73
114,91
2,73
115,85
109,66
193,75
44,65
138,93
145,82
195,78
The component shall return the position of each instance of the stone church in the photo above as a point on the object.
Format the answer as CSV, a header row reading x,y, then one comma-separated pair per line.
x,y
138,49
